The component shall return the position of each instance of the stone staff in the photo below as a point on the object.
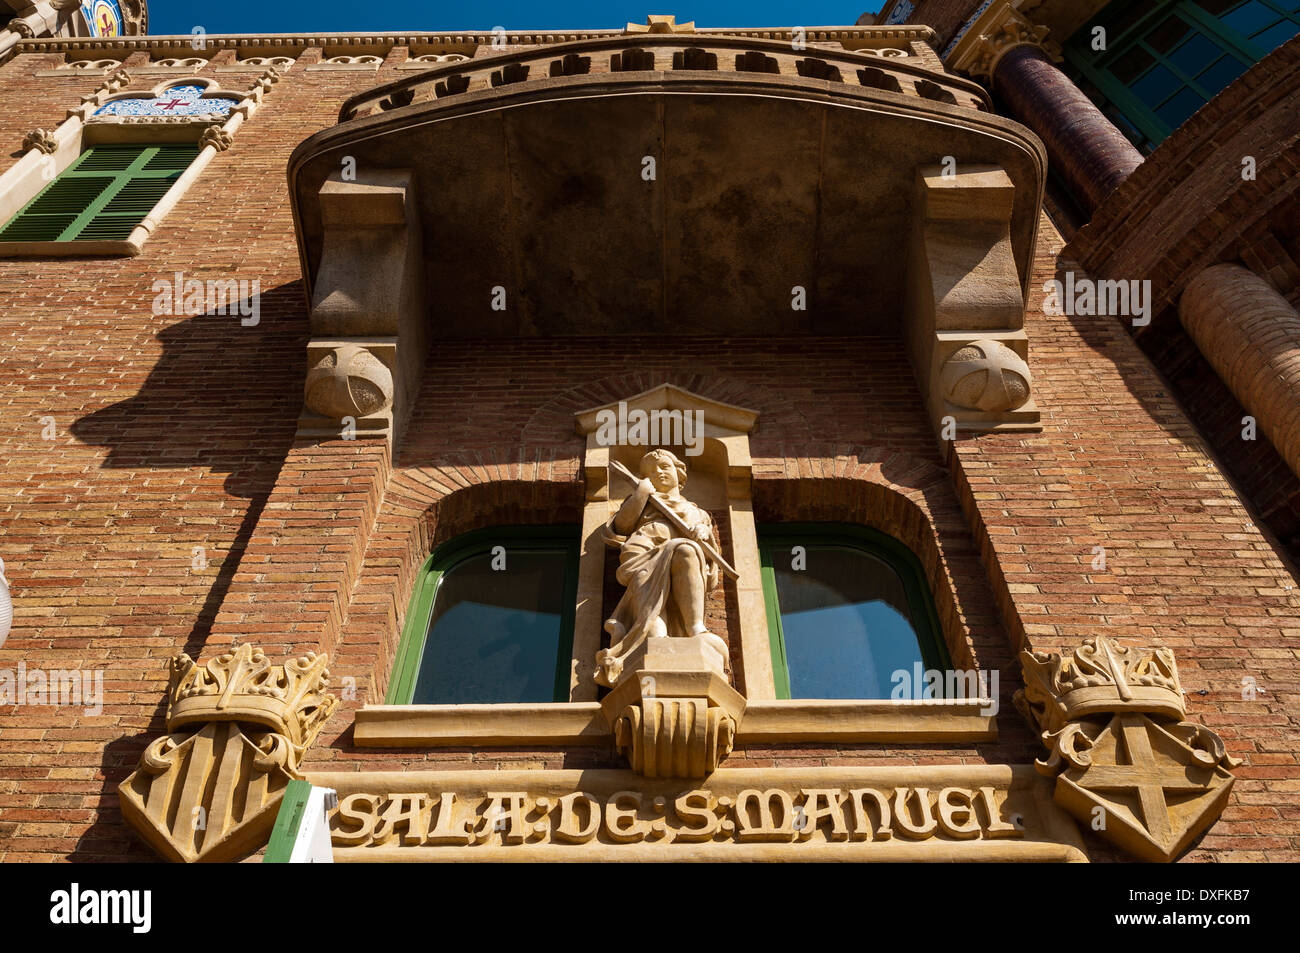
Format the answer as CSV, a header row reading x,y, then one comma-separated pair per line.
x,y
677,523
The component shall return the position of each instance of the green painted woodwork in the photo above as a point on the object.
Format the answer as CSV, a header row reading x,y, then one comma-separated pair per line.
x,y
102,196
410,651
777,541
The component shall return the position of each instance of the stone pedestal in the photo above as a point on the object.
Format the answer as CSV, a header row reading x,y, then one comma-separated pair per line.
x,y
672,713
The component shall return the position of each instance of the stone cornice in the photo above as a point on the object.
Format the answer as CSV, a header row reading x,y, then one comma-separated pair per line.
x,y
159,45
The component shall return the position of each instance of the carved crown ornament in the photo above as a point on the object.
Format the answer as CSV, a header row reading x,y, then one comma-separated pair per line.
x,y
237,729
1126,763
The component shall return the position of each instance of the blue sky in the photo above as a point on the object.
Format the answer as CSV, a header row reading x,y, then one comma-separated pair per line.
x,y
292,16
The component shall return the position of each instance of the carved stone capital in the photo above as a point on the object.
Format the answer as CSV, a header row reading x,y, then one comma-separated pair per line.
x,y
1125,762
41,141
216,137
22,28
237,730
1000,29
672,712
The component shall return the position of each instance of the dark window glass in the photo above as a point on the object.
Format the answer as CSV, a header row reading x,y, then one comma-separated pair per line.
x,y
1217,7
1156,86
1215,79
1196,51
495,636
846,624
1132,64
1168,34
1275,36
1177,110
1249,18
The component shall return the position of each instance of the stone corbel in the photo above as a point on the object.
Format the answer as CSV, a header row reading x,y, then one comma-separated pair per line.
x,y
1126,762
369,333
966,306
673,713
999,29
237,729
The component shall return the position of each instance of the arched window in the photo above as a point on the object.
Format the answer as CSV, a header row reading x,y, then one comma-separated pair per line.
x,y
491,620
1149,66
847,608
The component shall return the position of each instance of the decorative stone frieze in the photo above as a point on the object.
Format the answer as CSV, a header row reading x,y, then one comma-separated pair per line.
x,y
237,728
1125,761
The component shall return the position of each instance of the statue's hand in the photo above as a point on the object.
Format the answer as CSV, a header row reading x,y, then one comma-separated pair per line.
x,y
701,532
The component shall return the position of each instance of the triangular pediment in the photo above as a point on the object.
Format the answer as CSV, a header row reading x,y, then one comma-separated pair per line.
x,y
669,397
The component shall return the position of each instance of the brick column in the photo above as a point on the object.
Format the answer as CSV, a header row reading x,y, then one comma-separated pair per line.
x,y
1084,147
1248,333
1014,55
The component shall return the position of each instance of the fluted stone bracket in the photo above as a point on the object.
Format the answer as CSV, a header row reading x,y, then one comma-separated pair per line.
x,y
1126,763
369,332
966,305
998,30
672,712
237,729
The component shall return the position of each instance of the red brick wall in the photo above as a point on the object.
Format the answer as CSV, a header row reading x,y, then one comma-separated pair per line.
x,y
175,432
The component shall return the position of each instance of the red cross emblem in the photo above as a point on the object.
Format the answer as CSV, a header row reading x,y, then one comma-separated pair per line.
x,y
173,103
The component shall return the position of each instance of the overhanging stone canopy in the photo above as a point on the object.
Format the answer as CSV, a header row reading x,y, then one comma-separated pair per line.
x,y
763,181
736,185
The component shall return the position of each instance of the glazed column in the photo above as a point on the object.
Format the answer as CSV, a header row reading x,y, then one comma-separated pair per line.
x,y
1015,57
1248,333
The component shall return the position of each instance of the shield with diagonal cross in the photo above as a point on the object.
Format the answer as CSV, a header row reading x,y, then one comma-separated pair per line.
x,y
1156,792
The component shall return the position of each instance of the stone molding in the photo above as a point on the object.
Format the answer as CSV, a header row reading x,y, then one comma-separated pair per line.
x,y
280,42
237,729
765,722
1124,760
928,812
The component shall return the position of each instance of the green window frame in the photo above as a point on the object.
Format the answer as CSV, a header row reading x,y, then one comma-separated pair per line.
x,y
106,192
777,540
1132,45
415,631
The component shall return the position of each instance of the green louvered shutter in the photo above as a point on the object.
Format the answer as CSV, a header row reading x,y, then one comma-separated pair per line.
x,y
102,196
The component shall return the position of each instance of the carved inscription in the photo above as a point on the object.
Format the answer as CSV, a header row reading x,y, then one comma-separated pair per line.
x,y
771,815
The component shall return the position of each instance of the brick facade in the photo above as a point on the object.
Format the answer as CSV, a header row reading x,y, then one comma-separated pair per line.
x,y
175,432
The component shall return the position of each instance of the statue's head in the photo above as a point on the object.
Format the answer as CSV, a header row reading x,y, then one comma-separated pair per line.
x,y
661,467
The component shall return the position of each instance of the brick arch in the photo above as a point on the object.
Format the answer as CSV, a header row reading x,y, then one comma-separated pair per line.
x,y
911,500
423,508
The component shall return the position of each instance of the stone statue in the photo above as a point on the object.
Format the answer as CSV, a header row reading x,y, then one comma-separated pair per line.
x,y
669,562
